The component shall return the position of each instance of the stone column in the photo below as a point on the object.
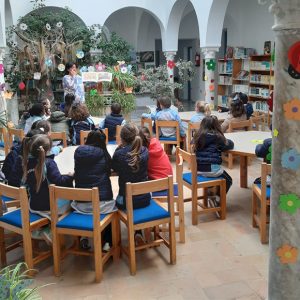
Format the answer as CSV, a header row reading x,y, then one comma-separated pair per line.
x,y
2,81
210,67
170,55
284,264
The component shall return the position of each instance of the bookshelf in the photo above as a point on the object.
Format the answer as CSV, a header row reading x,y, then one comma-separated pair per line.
x,y
261,81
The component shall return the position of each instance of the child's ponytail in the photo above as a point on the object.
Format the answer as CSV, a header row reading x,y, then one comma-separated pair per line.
x,y
134,161
39,168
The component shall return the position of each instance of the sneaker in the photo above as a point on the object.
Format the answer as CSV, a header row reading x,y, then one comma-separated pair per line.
x,y
214,201
46,235
84,243
106,247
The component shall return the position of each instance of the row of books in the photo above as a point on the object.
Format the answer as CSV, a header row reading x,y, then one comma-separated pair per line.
x,y
261,79
225,67
241,88
225,80
261,106
260,65
243,75
259,92
239,52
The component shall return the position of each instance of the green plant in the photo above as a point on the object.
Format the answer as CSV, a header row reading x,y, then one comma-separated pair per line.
x,y
127,101
94,102
3,119
121,80
14,283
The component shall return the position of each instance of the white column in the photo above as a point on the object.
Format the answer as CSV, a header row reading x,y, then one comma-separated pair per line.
x,y
170,55
284,264
210,67
2,81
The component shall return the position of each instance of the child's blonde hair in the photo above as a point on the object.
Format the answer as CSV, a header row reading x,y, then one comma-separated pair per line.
x,y
202,107
207,110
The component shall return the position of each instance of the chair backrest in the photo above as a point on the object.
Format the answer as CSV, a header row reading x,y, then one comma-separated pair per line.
x,y
70,194
3,133
147,123
266,169
144,187
190,158
167,125
242,125
85,133
192,127
13,132
259,121
118,134
61,136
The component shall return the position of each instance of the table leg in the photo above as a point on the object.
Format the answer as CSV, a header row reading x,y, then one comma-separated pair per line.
x,y
243,172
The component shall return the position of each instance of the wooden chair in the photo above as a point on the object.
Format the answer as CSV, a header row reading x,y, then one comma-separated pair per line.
x,y
22,222
192,127
60,136
234,126
147,123
12,133
3,133
85,133
259,120
261,193
78,225
194,182
150,216
118,134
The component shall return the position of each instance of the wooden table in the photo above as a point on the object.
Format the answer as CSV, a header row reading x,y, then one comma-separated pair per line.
x,y
187,115
65,160
245,143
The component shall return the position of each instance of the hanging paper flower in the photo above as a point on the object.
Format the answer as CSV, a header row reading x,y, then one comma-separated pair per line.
x,y
275,133
121,62
129,68
93,92
171,64
100,67
211,65
22,86
79,54
83,69
48,62
59,24
116,68
143,77
292,109
290,159
37,76
287,254
8,95
1,69
91,69
124,70
23,26
269,155
289,203
61,67
211,87
48,27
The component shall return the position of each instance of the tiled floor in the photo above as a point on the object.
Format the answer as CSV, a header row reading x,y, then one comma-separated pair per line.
x,y
220,260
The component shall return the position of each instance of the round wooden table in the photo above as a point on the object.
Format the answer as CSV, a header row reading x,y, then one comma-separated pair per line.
x,y
187,115
245,143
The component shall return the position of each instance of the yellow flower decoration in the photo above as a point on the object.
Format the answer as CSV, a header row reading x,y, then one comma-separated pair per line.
x,y
292,109
275,132
287,254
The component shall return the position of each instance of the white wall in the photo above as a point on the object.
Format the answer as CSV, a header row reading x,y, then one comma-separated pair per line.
x,y
248,24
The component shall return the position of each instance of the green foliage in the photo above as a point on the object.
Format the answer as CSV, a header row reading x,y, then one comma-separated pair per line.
x,y
95,103
3,119
127,101
121,80
14,283
116,49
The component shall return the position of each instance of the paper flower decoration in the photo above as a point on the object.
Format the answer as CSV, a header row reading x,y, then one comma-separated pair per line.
x,y
124,70
8,95
91,69
79,54
59,24
22,86
275,132
61,67
171,64
116,68
48,62
2,87
287,254
129,68
93,92
121,62
290,159
211,87
269,155
23,26
211,65
292,109
100,67
1,69
289,203
48,27
37,76
83,69
143,77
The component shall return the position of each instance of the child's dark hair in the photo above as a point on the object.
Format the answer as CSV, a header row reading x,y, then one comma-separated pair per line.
x,y
42,125
237,108
39,146
242,96
115,108
79,112
97,138
165,101
210,125
130,136
37,109
69,99
145,136
69,65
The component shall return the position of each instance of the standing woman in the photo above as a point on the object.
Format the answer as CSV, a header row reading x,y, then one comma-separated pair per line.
x,y
72,83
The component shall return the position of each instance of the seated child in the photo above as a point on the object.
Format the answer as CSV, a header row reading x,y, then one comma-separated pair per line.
x,y
152,116
80,120
159,165
209,143
237,113
47,105
69,100
37,112
248,106
112,120
130,161
60,123
202,109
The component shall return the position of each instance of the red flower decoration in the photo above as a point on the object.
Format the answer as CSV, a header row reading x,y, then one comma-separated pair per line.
x,y
143,77
1,69
171,64
22,86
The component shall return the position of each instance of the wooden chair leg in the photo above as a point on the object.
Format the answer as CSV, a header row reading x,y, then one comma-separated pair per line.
x,y
205,198
131,248
194,206
56,246
98,257
230,161
116,238
254,210
223,200
28,253
172,242
2,248
263,224
181,224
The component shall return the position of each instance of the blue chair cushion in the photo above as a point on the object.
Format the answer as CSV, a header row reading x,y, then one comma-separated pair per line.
x,y
2,144
112,142
268,191
78,221
164,193
14,218
6,199
150,213
164,138
188,178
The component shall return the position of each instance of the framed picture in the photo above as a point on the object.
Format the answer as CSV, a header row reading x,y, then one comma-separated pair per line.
x,y
149,65
147,56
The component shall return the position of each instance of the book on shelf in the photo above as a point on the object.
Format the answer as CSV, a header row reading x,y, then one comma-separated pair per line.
x,y
261,106
225,67
225,80
260,79
259,92
260,65
240,88
223,100
243,75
